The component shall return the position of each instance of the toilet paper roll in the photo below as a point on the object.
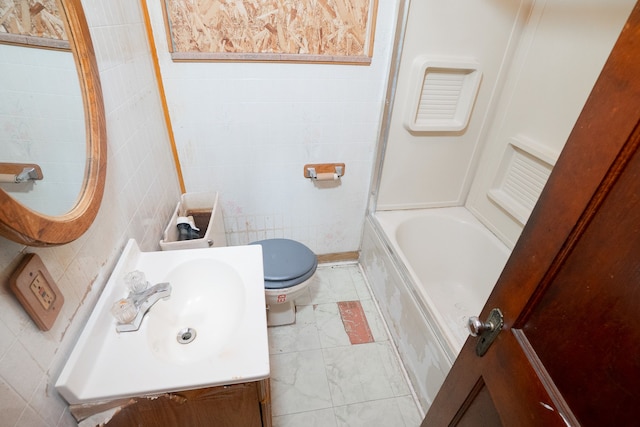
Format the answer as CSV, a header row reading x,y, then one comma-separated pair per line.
x,y
327,176
8,177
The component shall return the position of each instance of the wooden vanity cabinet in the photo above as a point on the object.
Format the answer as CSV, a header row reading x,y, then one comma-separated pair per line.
x,y
238,405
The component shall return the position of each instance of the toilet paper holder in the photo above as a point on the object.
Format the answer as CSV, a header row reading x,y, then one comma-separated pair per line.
x,y
17,173
324,171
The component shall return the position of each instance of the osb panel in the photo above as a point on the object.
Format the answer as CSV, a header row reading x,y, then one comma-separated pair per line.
x,y
321,29
36,18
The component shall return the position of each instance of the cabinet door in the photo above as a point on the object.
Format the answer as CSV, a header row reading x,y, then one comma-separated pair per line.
x,y
228,406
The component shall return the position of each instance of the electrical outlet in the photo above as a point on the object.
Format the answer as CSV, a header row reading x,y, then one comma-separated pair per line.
x,y
42,291
37,292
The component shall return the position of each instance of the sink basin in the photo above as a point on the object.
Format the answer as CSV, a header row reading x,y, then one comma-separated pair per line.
x,y
211,331
207,302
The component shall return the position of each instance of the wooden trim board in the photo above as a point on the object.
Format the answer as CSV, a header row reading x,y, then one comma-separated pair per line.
x,y
338,257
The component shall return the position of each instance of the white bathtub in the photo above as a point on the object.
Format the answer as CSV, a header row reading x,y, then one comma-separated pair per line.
x,y
453,260
430,270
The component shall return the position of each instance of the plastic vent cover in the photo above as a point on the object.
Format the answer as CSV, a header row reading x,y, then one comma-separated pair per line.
x,y
441,95
522,174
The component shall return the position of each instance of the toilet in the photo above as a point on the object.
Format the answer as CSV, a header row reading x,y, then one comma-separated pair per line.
x,y
289,267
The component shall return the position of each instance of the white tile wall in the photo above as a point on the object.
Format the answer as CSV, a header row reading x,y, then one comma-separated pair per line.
x,y
140,194
247,129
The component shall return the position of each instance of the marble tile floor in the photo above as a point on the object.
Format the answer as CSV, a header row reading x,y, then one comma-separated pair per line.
x,y
320,379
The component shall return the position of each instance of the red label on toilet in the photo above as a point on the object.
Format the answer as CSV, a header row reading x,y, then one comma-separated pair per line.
x,y
282,298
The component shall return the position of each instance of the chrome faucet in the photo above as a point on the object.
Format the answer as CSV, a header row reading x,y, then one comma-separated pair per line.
x,y
139,303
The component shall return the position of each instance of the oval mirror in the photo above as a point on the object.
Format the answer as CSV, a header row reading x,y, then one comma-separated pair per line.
x,y
60,215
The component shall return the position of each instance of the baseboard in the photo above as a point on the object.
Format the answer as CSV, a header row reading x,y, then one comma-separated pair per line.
x,y
338,257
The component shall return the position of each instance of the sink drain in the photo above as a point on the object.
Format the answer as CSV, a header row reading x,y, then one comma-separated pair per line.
x,y
186,335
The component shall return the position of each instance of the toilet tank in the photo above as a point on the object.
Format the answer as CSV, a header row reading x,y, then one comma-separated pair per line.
x,y
207,213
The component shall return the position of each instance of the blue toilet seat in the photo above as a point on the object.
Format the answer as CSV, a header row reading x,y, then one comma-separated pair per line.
x,y
286,262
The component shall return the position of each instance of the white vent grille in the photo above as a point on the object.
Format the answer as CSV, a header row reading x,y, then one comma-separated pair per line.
x,y
521,177
441,95
525,179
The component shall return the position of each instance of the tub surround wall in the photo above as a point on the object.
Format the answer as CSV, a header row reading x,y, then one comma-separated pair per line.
x,y
539,61
561,53
428,169
246,129
140,194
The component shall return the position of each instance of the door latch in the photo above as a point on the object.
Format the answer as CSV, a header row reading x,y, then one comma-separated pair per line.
x,y
486,331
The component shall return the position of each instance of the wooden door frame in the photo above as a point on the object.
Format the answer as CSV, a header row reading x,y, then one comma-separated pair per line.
x,y
605,136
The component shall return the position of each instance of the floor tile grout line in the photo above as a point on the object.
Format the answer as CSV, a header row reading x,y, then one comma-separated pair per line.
x,y
383,399
393,345
333,407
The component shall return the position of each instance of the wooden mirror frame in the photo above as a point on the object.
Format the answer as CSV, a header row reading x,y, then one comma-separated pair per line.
x,y
32,228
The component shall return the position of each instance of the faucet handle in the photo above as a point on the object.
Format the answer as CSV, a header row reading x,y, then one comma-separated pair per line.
x,y
136,281
124,310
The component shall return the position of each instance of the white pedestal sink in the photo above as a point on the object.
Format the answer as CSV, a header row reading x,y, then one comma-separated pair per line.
x,y
211,331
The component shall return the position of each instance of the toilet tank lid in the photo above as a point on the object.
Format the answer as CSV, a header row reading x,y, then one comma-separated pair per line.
x,y
285,259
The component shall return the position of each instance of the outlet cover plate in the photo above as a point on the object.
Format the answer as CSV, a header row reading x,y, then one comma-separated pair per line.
x,y
37,292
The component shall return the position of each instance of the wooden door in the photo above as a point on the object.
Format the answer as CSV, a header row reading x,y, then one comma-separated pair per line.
x,y
569,350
